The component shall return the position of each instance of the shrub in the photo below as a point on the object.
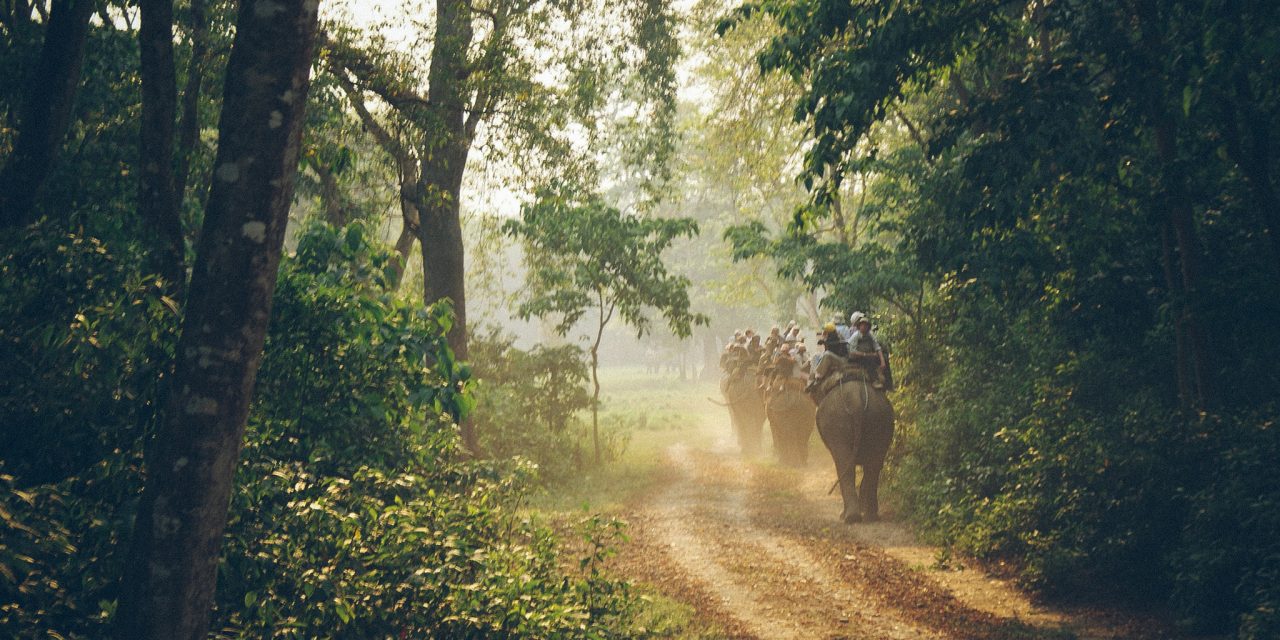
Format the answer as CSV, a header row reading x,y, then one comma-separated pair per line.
x,y
414,553
530,401
353,515
61,550
351,376
1041,453
84,336
1227,568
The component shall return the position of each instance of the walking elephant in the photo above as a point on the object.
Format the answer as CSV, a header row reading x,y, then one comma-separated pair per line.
x,y
791,421
855,421
746,410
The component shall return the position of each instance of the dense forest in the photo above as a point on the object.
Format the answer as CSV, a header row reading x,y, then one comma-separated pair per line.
x,y
265,369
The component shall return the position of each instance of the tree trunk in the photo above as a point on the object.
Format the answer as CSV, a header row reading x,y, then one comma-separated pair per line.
x,y
444,160
595,371
595,399
1189,334
189,127
1176,199
169,580
46,114
408,169
412,224
335,209
1181,354
157,201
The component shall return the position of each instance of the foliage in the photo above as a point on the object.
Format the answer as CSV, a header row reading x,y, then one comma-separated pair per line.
x,y
1055,202
528,402
546,75
739,146
352,517
586,255
1230,561
350,373
432,551
60,550
84,337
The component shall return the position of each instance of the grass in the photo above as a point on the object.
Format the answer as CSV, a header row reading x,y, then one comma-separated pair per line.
x,y
641,415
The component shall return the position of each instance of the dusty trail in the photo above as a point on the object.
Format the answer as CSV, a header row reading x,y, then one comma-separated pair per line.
x,y
756,547
774,585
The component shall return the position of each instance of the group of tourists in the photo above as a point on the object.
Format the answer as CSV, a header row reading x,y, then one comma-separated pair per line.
x,y
781,360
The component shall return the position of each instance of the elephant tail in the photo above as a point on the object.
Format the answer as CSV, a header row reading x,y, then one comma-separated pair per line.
x,y
717,402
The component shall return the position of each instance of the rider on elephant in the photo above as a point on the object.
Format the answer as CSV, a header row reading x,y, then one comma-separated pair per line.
x,y
754,348
830,366
865,350
868,353
791,372
774,364
734,354
774,341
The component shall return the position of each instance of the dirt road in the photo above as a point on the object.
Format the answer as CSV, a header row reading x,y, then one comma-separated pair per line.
x,y
756,547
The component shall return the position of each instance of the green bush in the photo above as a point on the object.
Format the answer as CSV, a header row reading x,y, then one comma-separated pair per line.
x,y
1041,453
353,516
1227,569
62,549
1054,449
530,402
83,337
351,376
398,555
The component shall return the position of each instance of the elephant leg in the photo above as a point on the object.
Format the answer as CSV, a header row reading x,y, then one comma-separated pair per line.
x,y
788,452
755,432
800,444
779,445
868,491
802,451
849,493
846,472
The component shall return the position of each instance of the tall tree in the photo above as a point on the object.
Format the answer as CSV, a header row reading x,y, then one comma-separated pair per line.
x,y
189,125
169,582
158,199
46,114
485,65
453,110
586,256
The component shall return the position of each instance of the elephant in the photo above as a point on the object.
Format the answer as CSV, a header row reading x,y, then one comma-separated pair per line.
x,y
791,422
746,409
855,421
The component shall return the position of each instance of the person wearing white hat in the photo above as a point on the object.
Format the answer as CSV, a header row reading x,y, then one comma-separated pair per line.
x,y
865,349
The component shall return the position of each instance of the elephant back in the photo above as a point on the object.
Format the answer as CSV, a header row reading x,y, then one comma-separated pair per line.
x,y
860,406
790,401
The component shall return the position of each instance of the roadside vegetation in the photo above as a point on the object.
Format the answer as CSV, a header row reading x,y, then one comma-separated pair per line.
x,y
1064,217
